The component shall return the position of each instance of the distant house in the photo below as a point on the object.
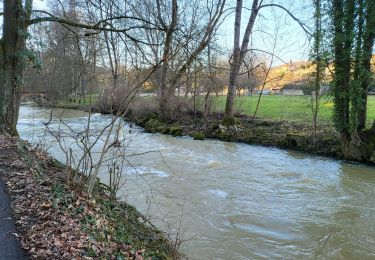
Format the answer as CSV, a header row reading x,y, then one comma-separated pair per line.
x,y
265,92
276,91
296,89
292,92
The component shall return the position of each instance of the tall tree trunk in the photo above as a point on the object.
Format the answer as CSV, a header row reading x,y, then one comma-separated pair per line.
x,y
188,83
238,56
355,93
12,67
343,21
236,64
207,99
164,102
350,104
368,43
169,83
317,54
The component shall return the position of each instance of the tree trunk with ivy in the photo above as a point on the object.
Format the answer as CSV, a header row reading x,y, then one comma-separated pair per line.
x,y
13,47
368,43
350,89
318,61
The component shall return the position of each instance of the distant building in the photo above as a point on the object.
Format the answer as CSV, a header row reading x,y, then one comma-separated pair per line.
x,y
295,89
276,90
292,92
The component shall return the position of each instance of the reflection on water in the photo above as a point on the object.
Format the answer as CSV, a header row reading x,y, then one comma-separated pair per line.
x,y
241,201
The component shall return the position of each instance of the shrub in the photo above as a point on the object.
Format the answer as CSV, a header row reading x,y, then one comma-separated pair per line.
x,y
114,100
175,130
144,107
199,136
152,125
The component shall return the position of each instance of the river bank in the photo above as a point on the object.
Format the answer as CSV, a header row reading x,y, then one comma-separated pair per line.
x,y
282,134
229,199
266,132
56,221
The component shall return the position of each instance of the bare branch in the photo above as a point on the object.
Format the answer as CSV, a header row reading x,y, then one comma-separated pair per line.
x,y
101,25
303,26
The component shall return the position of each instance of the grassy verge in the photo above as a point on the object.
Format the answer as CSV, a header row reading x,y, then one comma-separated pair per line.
x,y
282,121
290,108
79,101
274,107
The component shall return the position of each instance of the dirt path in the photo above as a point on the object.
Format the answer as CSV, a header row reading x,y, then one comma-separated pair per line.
x,y
10,247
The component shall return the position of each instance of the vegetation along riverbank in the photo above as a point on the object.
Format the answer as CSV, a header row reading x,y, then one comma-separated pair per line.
x,y
58,221
284,122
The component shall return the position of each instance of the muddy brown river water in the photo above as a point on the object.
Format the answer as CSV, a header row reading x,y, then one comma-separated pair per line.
x,y
233,200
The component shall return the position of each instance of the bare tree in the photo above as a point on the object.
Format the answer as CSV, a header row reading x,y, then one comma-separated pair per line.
x,y
238,55
18,15
186,34
65,57
239,51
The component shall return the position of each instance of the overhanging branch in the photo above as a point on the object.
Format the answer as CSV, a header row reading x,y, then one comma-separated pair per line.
x,y
98,26
303,26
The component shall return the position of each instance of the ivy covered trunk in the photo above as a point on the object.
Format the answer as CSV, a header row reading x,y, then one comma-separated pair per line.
x,y
368,43
13,47
353,31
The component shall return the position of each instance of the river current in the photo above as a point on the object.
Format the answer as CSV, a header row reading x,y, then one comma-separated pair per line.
x,y
233,200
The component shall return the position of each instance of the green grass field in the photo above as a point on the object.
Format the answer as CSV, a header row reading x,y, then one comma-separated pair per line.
x,y
292,108
80,100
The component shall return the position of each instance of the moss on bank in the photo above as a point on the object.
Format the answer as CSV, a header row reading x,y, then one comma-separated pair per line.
x,y
199,136
279,133
282,134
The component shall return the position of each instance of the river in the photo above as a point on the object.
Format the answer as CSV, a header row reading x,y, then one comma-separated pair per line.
x,y
237,201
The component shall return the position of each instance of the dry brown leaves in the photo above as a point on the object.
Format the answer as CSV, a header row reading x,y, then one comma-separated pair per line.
x,y
47,232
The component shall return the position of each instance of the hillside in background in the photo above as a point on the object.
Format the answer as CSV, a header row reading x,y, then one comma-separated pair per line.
x,y
296,74
292,73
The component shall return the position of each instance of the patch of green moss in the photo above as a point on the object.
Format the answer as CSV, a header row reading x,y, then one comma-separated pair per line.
x,y
153,116
141,121
152,125
128,227
199,136
125,225
175,130
227,137
228,121
162,129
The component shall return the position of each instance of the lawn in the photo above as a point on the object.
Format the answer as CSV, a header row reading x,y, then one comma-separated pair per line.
x,y
79,100
292,108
